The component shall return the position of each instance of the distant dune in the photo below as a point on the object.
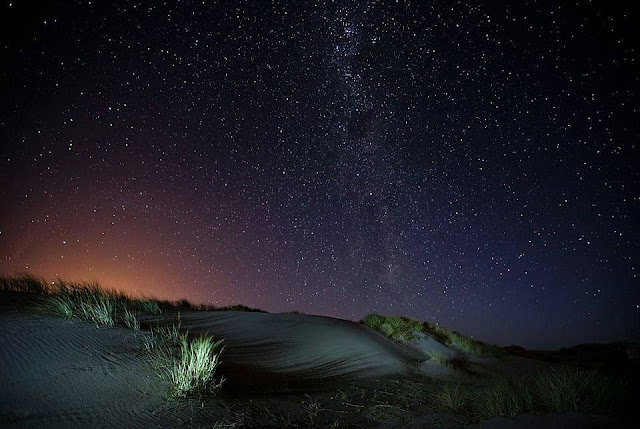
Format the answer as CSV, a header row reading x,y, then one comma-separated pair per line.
x,y
299,347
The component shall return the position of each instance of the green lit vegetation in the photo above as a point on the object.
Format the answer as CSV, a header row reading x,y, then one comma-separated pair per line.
x,y
395,327
403,329
188,363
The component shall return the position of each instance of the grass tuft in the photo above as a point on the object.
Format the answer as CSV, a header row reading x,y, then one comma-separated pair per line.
x,y
473,346
87,301
98,308
194,369
457,362
396,327
403,328
148,306
130,319
24,282
578,390
438,332
59,305
504,397
189,364
558,390
451,399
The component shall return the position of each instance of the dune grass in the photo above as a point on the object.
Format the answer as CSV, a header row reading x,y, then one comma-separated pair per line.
x,y
194,369
474,346
456,339
457,362
452,399
188,363
24,282
396,327
558,390
504,397
86,301
130,319
579,390
403,329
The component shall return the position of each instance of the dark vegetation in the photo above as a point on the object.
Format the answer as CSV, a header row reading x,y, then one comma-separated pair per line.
x,y
79,299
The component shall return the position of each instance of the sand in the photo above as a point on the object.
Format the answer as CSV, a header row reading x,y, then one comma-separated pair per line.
x,y
300,347
60,373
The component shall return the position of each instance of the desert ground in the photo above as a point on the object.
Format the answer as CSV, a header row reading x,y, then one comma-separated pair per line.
x,y
280,370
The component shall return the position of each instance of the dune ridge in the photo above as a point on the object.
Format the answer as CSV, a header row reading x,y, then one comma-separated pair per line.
x,y
299,346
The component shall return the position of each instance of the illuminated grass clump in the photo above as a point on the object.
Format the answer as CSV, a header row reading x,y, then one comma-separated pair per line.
x,y
396,327
188,363
403,329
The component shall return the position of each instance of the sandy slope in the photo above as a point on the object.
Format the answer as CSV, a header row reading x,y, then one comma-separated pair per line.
x,y
300,346
58,373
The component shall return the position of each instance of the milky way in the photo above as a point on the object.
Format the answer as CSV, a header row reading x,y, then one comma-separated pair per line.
x,y
465,163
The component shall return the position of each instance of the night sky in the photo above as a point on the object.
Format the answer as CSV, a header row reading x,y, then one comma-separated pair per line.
x,y
463,162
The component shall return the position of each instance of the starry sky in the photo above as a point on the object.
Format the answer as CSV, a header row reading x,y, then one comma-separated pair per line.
x,y
470,163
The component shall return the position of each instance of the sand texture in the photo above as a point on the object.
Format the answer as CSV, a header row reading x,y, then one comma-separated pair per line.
x,y
301,347
60,373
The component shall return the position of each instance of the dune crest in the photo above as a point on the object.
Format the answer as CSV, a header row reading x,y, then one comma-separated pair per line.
x,y
300,346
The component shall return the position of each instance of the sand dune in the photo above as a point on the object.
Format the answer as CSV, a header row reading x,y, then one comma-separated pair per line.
x,y
300,347
58,373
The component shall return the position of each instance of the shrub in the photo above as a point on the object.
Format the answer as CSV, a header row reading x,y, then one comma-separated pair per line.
x,y
240,307
183,303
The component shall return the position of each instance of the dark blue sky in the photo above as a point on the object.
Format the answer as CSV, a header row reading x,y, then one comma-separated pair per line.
x,y
467,163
